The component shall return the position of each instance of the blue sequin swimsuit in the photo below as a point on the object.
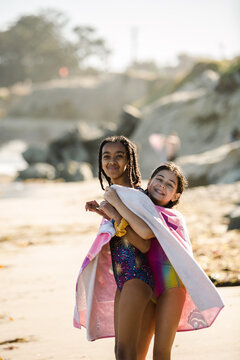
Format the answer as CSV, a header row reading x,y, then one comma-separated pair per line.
x,y
129,263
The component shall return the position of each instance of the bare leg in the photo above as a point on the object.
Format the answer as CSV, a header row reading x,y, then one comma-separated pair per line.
x,y
168,313
133,300
116,301
147,330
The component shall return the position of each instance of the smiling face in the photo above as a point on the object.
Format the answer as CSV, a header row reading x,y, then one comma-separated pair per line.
x,y
115,163
162,188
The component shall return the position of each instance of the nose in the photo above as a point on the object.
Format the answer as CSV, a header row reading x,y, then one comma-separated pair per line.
x,y
112,160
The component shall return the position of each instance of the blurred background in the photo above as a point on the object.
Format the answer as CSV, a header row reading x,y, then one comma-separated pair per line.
x,y
165,74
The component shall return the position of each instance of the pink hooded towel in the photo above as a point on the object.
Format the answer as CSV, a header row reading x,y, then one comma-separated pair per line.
x,y
95,288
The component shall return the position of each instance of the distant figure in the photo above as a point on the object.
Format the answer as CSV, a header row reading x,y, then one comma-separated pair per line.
x,y
172,146
157,141
167,147
235,135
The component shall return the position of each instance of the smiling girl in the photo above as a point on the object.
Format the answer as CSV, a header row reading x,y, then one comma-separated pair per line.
x,y
165,309
132,273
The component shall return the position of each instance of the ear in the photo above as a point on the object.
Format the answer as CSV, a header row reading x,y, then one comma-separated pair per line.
x,y
176,196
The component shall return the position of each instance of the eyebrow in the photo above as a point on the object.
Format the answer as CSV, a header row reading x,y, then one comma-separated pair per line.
x,y
117,152
162,176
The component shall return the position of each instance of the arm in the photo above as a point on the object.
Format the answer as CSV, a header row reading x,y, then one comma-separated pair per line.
x,y
93,206
136,223
132,236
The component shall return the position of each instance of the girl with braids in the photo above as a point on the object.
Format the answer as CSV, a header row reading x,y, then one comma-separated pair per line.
x,y
132,176
132,274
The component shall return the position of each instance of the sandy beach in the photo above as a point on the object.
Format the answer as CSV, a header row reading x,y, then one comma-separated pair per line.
x,y
45,234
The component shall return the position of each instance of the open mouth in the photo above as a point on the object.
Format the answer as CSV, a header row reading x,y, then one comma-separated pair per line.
x,y
159,192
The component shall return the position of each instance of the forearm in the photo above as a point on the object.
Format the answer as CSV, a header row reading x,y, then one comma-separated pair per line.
x,y
136,223
141,244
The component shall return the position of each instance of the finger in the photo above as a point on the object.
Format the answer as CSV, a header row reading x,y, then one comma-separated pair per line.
x,y
87,206
91,205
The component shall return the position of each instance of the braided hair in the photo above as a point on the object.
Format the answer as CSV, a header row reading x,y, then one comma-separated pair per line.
x,y
182,181
132,168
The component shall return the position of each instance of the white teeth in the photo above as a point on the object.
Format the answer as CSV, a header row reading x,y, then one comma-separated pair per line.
x,y
160,193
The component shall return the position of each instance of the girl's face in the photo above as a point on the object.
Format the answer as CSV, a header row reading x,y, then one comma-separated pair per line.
x,y
115,162
163,188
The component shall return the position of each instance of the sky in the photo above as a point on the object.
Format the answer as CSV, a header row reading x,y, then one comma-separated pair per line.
x,y
148,30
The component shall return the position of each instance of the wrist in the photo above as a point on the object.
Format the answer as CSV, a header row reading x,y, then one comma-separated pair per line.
x,y
117,218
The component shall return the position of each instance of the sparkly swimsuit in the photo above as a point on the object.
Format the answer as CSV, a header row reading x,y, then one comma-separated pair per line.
x,y
129,263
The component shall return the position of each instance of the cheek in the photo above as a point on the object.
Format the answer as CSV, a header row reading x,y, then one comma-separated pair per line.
x,y
174,196
124,165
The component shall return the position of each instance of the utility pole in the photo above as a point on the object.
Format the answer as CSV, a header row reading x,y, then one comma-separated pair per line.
x,y
134,44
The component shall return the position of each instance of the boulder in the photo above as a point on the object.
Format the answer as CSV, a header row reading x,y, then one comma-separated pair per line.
x,y
203,120
208,79
130,120
221,165
38,171
35,154
70,153
67,147
234,222
74,171
73,146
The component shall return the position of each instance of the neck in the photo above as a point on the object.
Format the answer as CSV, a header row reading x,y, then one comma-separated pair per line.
x,y
123,181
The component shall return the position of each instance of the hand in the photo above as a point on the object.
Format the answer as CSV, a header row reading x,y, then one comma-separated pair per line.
x,y
111,196
93,206
110,211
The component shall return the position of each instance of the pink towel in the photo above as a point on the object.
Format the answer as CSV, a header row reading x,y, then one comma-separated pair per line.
x,y
95,289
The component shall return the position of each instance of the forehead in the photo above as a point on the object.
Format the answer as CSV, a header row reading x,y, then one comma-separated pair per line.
x,y
167,175
113,148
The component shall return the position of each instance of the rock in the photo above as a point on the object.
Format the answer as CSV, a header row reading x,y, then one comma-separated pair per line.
x,y
230,177
38,171
202,118
208,80
130,120
67,147
220,165
234,219
74,171
35,154
229,83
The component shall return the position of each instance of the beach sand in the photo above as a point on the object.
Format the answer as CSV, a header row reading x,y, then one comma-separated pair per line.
x,y
45,234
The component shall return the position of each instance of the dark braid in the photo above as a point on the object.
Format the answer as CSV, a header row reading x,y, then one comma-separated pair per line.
x,y
133,169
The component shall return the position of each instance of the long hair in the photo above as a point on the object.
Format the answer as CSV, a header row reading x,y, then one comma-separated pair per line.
x,y
132,168
182,181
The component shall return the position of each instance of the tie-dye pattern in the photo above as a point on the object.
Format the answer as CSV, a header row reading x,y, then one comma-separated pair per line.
x,y
165,277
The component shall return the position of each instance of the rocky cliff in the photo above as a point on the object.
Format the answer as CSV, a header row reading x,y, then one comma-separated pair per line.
x,y
202,116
